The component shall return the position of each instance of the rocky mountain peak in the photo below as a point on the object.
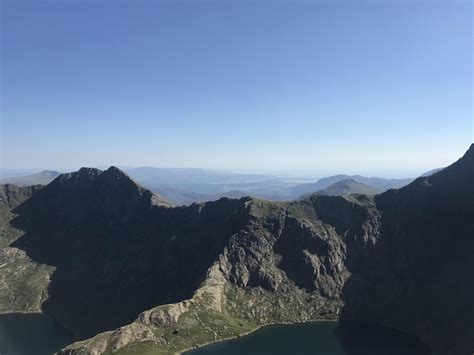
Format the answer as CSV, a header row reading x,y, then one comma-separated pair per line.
x,y
469,155
115,173
84,173
457,176
86,176
89,192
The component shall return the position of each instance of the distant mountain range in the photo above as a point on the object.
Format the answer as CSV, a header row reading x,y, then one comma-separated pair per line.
x,y
41,178
348,187
377,183
183,186
126,273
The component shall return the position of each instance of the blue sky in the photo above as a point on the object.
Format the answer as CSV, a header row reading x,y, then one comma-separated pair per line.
x,y
380,88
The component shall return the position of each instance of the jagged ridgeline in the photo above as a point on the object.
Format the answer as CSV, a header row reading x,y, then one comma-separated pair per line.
x,y
127,273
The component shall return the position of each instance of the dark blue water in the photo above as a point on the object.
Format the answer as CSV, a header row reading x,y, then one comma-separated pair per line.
x,y
37,334
323,338
30,334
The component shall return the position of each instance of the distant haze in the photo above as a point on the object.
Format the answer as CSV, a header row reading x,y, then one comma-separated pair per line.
x,y
308,88
185,186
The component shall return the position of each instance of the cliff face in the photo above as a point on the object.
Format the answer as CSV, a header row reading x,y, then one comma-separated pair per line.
x,y
424,260
117,249
161,279
12,195
22,281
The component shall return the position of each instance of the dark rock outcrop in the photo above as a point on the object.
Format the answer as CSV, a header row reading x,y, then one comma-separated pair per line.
x,y
419,270
117,248
12,195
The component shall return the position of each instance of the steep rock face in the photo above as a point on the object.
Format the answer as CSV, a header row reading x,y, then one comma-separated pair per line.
x,y
283,264
12,195
423,260
117,248
110,194
249,284
283,248
23,282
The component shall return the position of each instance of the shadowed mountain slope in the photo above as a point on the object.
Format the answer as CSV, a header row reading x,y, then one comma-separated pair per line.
x,y
417,277
112,242
431,172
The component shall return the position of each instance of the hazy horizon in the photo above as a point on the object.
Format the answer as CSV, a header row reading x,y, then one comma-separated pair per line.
x,y
286,174
371,88
298,173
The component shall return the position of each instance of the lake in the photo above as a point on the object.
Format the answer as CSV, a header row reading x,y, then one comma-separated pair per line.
x,y
31,334
324,338
37,334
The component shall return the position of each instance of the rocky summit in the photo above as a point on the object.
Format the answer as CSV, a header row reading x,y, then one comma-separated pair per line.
x,y
127,273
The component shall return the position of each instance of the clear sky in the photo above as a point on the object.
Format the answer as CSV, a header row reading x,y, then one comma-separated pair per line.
x,y
375,87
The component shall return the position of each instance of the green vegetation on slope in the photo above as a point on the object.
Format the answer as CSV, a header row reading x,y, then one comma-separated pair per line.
x,y
23,282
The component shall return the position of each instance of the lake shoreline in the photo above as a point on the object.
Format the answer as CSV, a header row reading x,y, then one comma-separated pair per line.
x,y
21,312
331,336
182,352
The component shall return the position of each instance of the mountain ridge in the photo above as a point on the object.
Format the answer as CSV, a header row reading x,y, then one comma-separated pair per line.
x,y
185,186
374,182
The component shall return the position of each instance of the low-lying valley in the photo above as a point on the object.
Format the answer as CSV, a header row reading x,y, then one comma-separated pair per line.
x,y
125,272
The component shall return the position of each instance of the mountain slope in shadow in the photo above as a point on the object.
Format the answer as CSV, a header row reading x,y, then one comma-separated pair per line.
x,y
416,276
117,248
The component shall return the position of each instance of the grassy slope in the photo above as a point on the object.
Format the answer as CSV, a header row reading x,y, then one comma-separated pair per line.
x,y
199,325
23,282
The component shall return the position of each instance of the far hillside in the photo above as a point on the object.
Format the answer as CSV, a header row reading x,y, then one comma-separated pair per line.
x,y
380,184
42,178
348,187
183,186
